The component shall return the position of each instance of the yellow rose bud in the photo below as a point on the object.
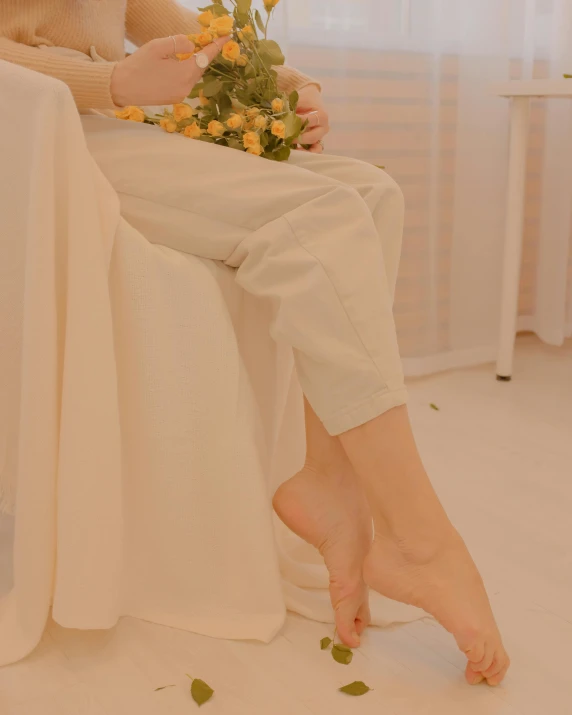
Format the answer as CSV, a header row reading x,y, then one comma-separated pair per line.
x,y
168,124
193,131
204,39
231,50
256,150
247,33
261,122
183,111
277,105
205,18
252,112
242,60
251,140
222,25
215,129
235,121
279,129
204,101
131,114
270,4
186,56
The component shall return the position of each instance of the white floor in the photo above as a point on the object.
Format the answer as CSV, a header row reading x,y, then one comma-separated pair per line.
x,y
501,458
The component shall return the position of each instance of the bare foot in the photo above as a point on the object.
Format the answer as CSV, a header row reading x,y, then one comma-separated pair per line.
x,y
330,511
442,579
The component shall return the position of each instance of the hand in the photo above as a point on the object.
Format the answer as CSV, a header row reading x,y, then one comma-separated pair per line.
x,y
153,76
311,107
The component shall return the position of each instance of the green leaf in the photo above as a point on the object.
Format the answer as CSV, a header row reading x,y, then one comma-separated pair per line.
x,y
242,18
217,9
196,90
225,105
244,6
201,692
434,407
259,21
356,689
283,154
163,687
234,143
294,99
270,52
342,654
324,643
212,88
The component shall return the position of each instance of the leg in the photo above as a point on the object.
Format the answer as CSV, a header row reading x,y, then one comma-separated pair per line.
x,y
417,556
412,516
325,505
303,242
520,111
381,194
309,245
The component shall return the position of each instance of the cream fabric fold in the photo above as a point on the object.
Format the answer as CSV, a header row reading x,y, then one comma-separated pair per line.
x,y
145,414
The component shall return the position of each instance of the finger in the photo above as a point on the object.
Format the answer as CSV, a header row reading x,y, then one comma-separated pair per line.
x,y
313,118
313,136
168,47
213,50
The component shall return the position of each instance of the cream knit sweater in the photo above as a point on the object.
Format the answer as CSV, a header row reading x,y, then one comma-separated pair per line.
x,y
25,25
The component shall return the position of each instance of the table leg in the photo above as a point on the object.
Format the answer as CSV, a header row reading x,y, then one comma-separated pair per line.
x,y
520,114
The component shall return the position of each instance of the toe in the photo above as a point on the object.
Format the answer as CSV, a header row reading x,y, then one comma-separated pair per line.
x,y
498,669
472,677
497,679
363,619
351,618
487,660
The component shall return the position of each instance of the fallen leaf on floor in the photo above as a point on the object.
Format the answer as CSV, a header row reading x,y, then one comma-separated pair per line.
x,y
342,654
325,642
356,689
200,691
163,687
434,407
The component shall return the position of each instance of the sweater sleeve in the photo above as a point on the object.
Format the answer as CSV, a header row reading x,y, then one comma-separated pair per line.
x,y
89,82
149,19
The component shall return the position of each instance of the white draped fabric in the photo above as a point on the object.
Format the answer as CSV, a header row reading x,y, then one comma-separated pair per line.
x,y
146,416
408,86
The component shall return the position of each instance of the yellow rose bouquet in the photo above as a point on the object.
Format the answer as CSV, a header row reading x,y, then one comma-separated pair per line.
x,y
239,104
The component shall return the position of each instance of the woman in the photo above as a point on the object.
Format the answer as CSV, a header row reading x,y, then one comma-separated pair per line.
x,y
311,236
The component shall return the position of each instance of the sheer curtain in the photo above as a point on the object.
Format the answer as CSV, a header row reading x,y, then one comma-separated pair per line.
x,y
408,85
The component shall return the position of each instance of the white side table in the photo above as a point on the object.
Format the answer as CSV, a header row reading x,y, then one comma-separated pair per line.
x,y
520,93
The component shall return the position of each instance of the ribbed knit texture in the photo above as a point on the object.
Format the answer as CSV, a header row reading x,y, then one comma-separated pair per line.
x,y
25,25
